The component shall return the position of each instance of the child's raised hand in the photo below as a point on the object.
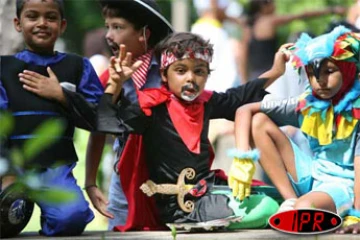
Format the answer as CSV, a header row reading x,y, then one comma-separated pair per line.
x,y
121,68
281,57
43,86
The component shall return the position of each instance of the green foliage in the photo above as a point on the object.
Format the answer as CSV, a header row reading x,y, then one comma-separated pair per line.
x,y
46,135
173,232
6,123
85,15
17,158
315,26
82,16
28,181
55,195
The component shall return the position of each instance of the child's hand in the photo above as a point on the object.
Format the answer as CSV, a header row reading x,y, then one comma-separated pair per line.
x,y
240,177
242,171
122,68
281,57
46,87
99,201
278,67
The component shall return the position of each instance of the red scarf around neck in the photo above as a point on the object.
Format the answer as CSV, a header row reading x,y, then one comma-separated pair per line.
x,y
187,117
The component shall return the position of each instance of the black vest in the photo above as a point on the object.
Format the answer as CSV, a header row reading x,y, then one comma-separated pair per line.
x,y
30,110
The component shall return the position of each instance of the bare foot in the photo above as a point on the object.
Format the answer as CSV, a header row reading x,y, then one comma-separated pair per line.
x,y
353,228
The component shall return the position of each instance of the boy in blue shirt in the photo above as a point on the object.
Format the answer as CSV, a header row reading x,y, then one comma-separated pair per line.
x,y
38,84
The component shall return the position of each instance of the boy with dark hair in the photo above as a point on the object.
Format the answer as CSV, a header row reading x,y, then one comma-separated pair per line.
x,y
139,25
20,5
38,84
169,142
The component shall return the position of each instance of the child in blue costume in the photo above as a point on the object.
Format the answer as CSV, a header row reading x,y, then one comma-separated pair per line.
x,y
172,123
328,113
38,84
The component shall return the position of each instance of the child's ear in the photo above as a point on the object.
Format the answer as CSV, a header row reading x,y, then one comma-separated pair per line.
x,y
163,77
63,26
17,24
145,35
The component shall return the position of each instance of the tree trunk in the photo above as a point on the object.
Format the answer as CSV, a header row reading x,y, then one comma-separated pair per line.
x,y
10,40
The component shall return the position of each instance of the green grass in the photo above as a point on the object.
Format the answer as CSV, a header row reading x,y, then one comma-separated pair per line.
x,y
99,222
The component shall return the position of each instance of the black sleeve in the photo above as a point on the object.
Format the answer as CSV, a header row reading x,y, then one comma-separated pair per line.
x,y
123,117
80,112
224,105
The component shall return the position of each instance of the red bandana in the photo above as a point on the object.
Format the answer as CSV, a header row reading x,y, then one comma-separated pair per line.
x,y
187,117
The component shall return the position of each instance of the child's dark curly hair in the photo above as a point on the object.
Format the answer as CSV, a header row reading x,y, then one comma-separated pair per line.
x,y
20,6
179,43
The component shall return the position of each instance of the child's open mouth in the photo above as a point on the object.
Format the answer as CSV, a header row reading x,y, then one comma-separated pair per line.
x,y
114,48
189,92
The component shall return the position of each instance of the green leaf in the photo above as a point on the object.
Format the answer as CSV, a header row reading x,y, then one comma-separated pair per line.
x,y
54,195
173,232
17,158
46,134
6,123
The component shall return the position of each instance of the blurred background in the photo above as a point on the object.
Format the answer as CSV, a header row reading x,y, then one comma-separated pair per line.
x,y
84,16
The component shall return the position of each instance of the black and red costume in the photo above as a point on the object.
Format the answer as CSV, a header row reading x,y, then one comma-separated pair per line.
x,y
168,135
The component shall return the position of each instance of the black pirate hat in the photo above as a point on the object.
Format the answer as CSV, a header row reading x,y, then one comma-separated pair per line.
x,y
149,9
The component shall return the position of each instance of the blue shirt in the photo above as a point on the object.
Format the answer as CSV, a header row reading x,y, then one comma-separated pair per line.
x,y
90,86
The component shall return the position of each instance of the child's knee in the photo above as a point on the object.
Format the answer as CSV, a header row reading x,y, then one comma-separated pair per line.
x,y
259,122
67,223
303,204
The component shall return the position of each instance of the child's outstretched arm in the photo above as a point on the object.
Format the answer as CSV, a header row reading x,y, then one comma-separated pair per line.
x,y
278,67
243,166
243,120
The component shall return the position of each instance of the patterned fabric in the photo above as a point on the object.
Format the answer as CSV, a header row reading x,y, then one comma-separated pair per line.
x,y
139,77
168,58
339,44
324,121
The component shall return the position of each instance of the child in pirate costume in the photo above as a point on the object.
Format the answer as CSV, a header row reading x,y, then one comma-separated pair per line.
x,y
328,114
38,84
172,123
139,25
